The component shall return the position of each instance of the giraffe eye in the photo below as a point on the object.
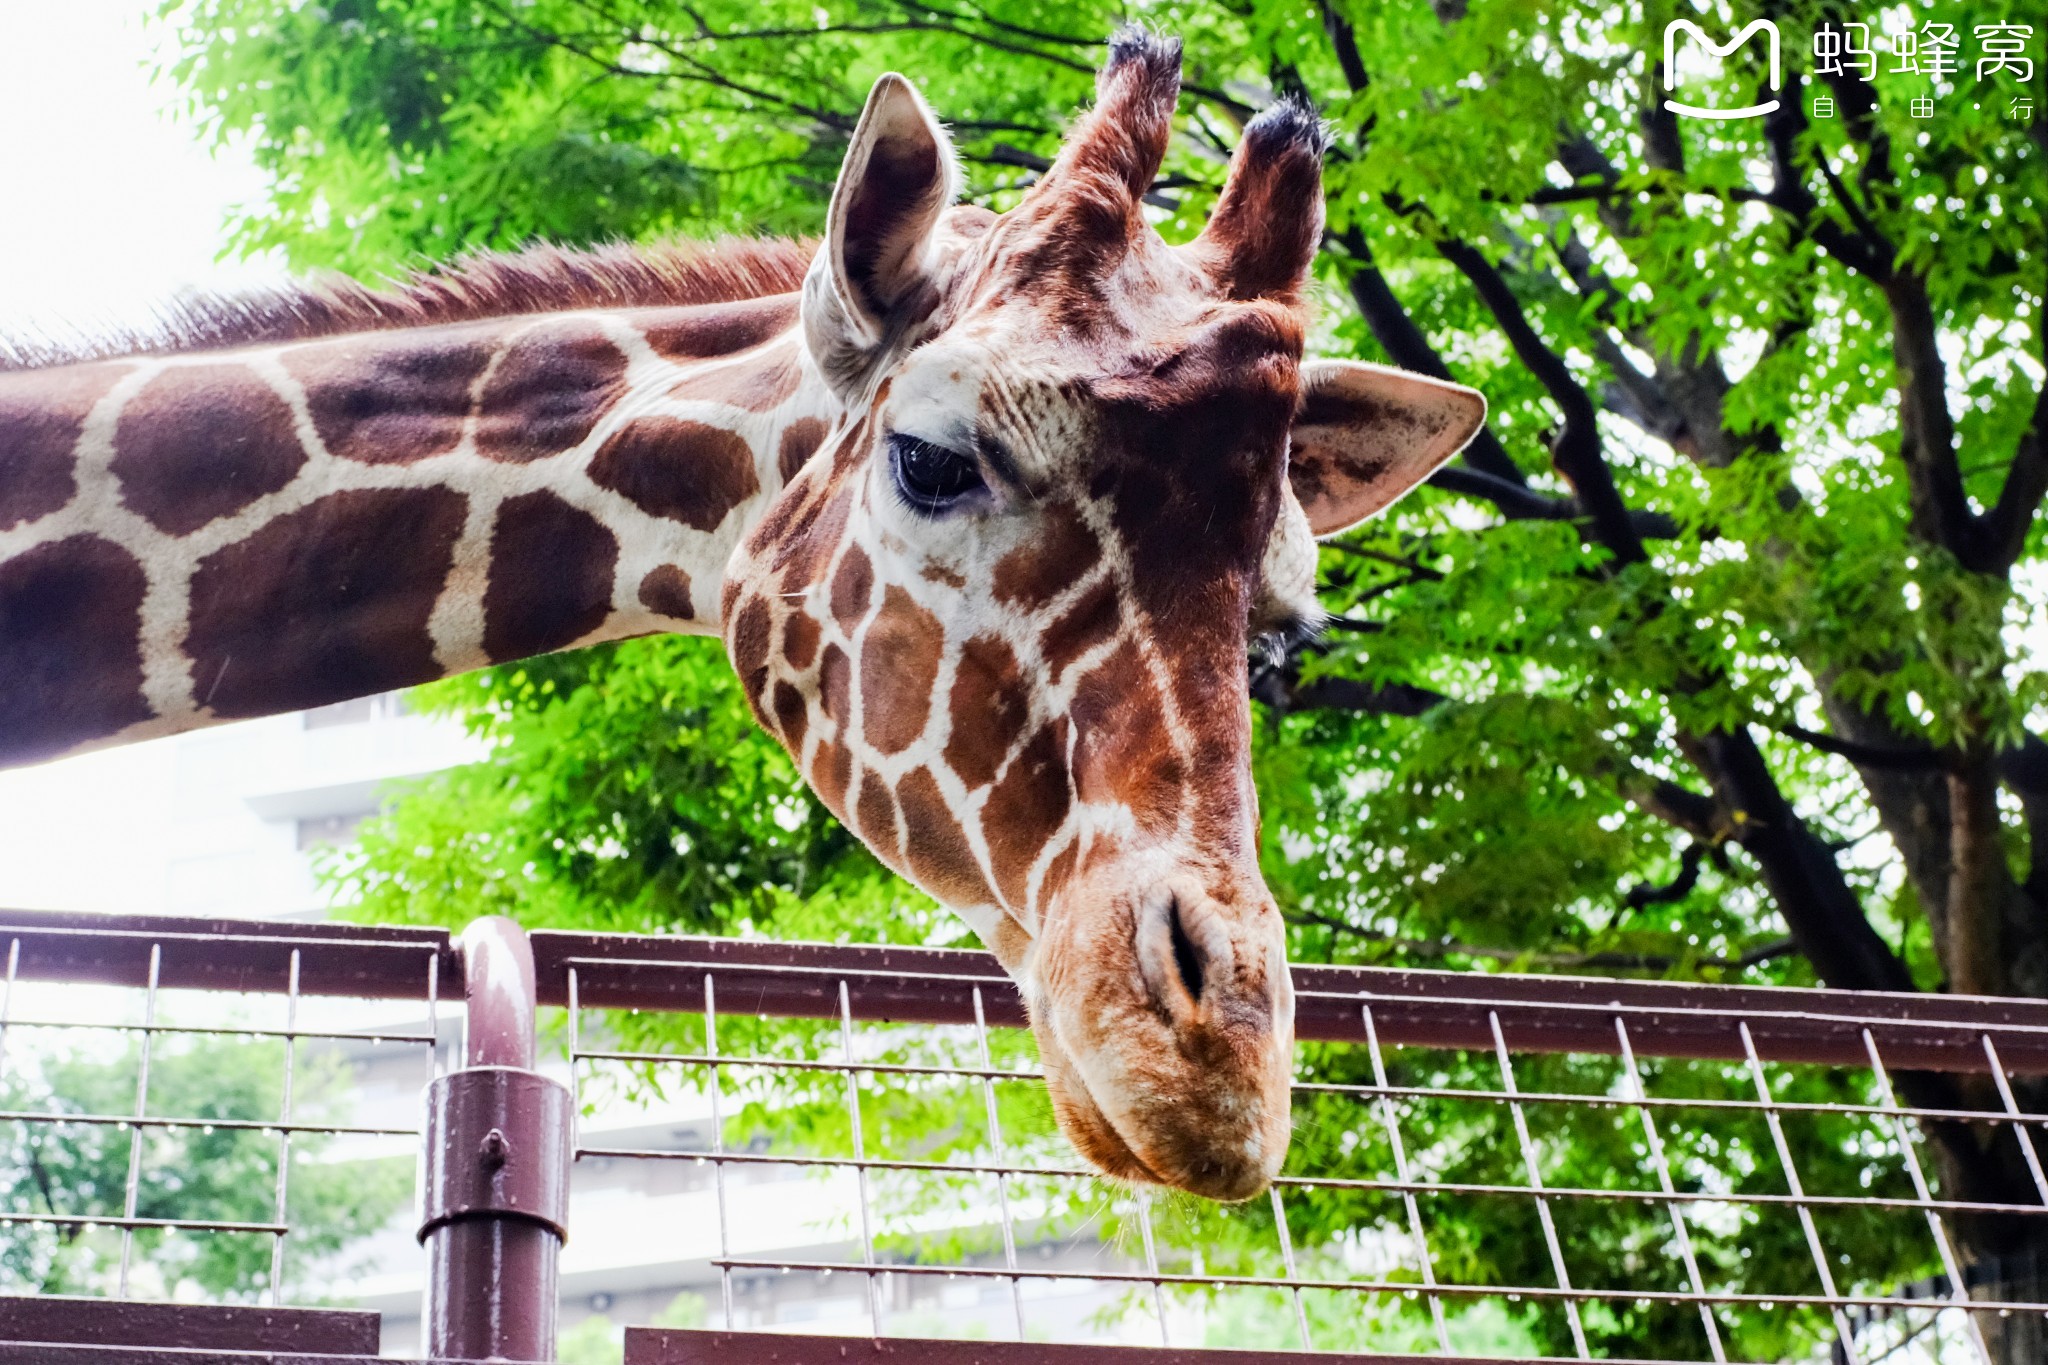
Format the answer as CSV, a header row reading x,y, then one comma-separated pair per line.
x,y
931,477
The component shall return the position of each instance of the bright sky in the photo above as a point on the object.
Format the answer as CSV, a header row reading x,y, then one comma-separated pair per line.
x,y
107,204
111,201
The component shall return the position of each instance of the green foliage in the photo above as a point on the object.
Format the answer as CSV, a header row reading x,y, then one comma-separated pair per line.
x,y
628,789
222,1168
1791,580
597,1340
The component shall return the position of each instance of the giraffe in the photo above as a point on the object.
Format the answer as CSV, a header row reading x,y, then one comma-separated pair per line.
x,y
986,508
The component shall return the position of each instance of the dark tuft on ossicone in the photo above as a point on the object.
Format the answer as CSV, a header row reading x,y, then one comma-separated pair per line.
x,y
1159,53
1291,123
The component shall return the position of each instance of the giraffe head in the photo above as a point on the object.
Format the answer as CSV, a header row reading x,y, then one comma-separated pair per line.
x,y
1001,619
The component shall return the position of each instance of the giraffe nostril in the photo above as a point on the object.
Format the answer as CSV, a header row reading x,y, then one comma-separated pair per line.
x,y
1184,952
1187,958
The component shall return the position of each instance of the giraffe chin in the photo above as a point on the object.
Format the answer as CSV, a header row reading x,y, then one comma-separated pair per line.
x,y
1166,1030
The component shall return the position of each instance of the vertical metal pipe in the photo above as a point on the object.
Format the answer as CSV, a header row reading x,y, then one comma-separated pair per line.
x,y
494,1176
497,982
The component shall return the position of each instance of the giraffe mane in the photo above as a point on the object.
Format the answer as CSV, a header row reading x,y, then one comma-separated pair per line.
x,y
540,279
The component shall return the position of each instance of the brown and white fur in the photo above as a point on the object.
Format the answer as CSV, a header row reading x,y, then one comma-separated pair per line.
x,y
1028,698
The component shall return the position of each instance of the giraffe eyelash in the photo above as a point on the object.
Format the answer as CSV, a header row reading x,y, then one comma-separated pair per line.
x,y
1285,635
931,478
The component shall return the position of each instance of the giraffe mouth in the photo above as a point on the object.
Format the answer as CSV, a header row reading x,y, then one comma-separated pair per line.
x,y
1156,1078
1084,1123
1172,1159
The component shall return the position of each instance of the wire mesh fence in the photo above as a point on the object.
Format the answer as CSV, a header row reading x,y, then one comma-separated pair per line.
x,y
857,1140
181,1115
1483,1166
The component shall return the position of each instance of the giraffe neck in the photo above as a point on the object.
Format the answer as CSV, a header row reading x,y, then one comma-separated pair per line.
x,y
200,537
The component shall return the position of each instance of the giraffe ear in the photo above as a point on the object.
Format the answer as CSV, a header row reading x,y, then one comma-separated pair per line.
x,y
874,266
1366,434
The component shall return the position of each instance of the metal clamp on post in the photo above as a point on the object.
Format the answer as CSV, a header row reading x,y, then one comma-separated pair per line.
x,y
497,1146
494,1179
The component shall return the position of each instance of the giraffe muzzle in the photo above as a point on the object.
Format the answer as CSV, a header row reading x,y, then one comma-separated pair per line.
x,y
1166,1021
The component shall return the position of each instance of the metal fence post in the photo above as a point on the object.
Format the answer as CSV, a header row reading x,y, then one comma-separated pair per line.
x,y
494,1170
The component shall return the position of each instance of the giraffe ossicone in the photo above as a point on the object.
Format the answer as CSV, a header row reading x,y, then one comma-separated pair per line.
x,y
986,507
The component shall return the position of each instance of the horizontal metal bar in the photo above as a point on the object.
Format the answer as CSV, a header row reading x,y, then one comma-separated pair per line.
x,y
115,1220
1403,1287
683,1346
1309,1182
57,1118
1428,1092
1360,1091
231,1030
1411,1008
62,1319
368,962
1416,1009
768,980
64,1353
801,1064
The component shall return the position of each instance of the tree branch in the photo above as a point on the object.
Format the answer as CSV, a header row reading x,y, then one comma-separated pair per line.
x,y
1819,905
1285,693
1643,895
2024,771
1940,512
2002,532
1861,247
1577,447
1519,502
1918,758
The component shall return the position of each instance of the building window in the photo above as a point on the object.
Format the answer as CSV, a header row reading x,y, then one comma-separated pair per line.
x,y
357,711
330,831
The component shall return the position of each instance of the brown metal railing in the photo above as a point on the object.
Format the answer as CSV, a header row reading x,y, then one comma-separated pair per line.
x,y
900,1025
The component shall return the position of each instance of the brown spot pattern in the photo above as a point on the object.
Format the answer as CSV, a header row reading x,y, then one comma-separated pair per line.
x,y
1025,809
899,667
791,715
835,684
852,587
325,603
800,441
1092,620
936,850
684,471
198,444
990,706
799,641
692,333
1058,873
389,398
70,647
1038,571
551,576
831,771
547,392
875,810
1125,753
42,413
666,592
749,646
